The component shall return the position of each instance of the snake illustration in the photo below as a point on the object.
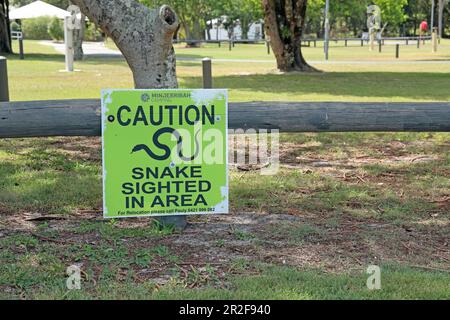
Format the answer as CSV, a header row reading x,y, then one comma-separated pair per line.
x,y
164,147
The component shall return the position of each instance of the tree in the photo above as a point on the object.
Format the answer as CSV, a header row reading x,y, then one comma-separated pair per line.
x,y
284,23
5,28
56,29
143,35
242,12
417,11
314,19
195,14
192,14
78,37
392,12
442,4
350,15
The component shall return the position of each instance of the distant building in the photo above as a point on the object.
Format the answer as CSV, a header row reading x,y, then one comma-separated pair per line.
x,y
255,31
366,36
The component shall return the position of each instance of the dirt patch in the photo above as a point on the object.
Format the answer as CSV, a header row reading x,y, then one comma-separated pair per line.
x,y
80,148
213,246
221,242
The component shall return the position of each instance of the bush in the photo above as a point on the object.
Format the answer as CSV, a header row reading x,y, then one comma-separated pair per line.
x,y
92,33
37,28
15,26
56,29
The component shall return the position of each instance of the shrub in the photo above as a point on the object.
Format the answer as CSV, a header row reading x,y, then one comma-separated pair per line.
x,y
56,29
92,33
37,28
15,26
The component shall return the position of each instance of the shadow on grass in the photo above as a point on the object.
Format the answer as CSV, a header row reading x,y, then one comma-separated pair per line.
x,y
402,85
54,57
42,177
402,193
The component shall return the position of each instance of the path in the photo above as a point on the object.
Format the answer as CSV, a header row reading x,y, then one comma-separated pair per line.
x,y
89,48
98,49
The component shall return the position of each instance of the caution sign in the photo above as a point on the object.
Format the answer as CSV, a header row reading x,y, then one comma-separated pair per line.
x,y
164,152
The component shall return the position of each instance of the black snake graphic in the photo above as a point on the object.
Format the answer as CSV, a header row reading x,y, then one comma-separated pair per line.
x,y
166,149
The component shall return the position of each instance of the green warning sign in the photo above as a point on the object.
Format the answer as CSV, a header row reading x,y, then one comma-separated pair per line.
x,y
164,152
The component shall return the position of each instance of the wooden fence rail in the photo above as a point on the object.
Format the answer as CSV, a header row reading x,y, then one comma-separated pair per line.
x,y
82,117
303,39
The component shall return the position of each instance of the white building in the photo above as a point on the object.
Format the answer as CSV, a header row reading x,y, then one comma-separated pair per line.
x,y
218,32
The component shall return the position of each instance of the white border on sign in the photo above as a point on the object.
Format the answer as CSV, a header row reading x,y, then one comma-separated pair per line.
x,y
103,119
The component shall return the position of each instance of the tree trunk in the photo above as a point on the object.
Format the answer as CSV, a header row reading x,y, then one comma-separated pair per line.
x,y
143,35
442,4
208,30
284,23
198,30
190,35
5,30
231,32
245,28
78,37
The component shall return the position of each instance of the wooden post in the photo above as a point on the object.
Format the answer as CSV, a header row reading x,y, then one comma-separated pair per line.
x,y
178,222
372,40
326,40
397,50
4,88
21,54
268,46
362,43
345,42
418,43
229,44
434,40
68,40
207,73
379,46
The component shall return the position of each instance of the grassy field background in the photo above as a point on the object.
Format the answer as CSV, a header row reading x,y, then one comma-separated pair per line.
x,y
386,81
339,203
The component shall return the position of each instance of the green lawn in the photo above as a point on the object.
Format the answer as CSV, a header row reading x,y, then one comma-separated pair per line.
x,y
39,77
308,232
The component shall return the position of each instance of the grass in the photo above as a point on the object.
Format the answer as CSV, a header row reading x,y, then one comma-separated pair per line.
x,y
308,232
30,80
54,178
288,283
42,276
